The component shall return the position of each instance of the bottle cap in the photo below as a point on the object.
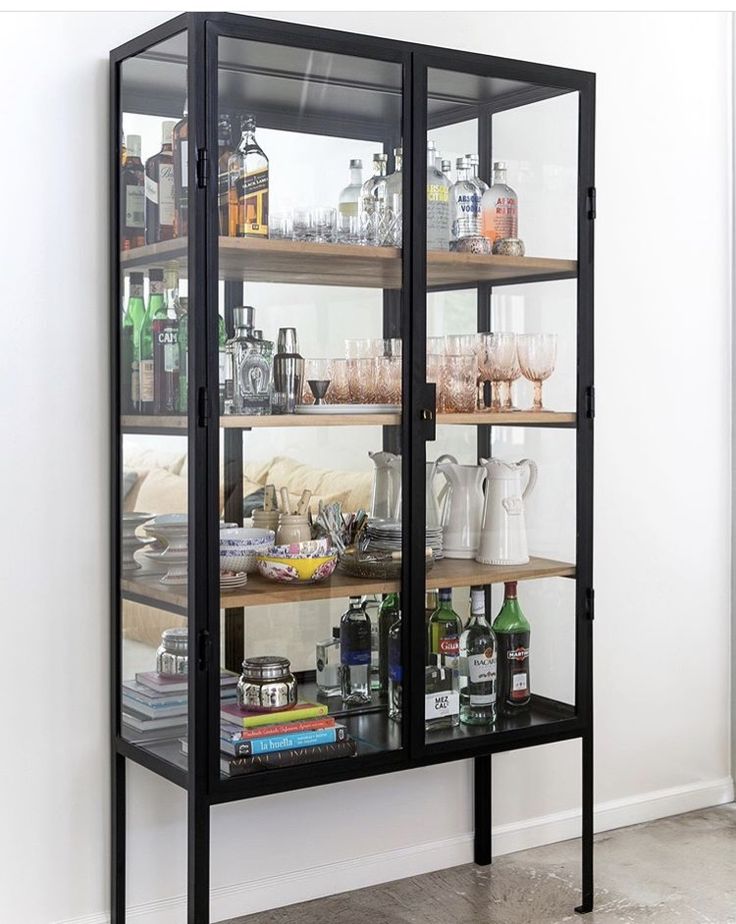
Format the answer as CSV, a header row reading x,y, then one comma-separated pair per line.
x,y
499,165
167,131
244,316
356,164
380,158
462,162
136,279
431,146
258,335
155,274
509,588
473,158
445,593
398,152
477,600
336,631
171,278
446,165
133,145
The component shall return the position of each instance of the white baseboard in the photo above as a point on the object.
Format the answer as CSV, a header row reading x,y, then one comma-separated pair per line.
x,y
331,878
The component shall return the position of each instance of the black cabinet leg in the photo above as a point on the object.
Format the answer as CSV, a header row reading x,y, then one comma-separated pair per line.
x,y
198,862
117,832
587,844
482,810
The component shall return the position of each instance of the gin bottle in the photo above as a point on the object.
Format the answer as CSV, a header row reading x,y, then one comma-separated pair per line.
x,y
251,184
372,202
328,665
478,657
438,203
464,204
251,360
349,205
445,628
355,654
395,670
441,697
388,613
500,208
392,225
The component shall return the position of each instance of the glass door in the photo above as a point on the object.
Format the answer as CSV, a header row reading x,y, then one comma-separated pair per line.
x,y
309,257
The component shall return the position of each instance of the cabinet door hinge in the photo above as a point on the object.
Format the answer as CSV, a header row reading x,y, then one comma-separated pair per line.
x,y
591,203
203,408
203,168
590,604
204,645
590,401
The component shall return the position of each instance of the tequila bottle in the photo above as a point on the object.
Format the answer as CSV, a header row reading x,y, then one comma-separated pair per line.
x,y
133,197
251,359
438,203
135,314
392,225
445,628
328,665
355,654
395,670
156,311
251,183
513,633
165,331
372,202
500,208
474,178
464,204
441,696
160,190
349,205
388,613
224,153
478,657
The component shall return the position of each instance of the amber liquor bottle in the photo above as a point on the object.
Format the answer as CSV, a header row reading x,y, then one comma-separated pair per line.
x,y
180,151
224,153
132,196
160,190
252,184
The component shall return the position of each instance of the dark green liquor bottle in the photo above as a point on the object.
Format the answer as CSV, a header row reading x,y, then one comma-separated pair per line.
x,y
388,612
135,314
513,633
156,310
445,628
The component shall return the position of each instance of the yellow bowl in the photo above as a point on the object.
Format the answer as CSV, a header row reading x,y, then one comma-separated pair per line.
x,y
296,570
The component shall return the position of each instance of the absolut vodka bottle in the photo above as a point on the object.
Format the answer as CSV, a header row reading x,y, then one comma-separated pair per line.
x,y
438,203
500,208
355,654
478,657
474,161
464,204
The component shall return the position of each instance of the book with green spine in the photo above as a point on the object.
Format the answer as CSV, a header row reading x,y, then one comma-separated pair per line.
x,y
246,719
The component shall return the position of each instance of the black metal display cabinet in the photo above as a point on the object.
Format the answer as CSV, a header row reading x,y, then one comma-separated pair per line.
x,y
314,83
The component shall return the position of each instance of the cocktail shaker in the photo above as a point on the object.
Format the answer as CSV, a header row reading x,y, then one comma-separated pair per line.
x,y
287,340
288,373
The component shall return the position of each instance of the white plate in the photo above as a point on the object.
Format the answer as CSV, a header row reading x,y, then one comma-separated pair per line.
x,y
328,409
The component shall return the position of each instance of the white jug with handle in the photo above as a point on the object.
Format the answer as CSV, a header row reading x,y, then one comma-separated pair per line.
x,y
386,499
503,537
434,502
462,509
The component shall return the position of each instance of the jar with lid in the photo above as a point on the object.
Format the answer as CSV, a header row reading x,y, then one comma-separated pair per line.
x,y
171,656
266,684
293,527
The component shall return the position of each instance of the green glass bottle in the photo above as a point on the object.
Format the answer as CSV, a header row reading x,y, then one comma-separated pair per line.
x,y
445,628
183,353
388,612
513,634
133,319
156,309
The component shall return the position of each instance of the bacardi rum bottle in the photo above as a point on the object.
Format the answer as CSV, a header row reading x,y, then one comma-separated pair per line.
x,y
132,196
512,631
180,149
438,203
478,656
160,190
500,208
166,350
355,654
252,184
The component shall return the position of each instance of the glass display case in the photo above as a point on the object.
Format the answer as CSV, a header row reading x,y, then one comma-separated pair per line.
x,y
352,311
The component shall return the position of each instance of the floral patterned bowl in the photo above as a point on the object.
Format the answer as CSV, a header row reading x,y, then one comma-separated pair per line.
x,y
297,570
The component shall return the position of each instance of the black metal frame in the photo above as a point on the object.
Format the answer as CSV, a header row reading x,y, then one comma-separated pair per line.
x,y
202,776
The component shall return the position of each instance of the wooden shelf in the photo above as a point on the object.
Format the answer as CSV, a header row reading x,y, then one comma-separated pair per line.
x,y
295,262
309,420
449,572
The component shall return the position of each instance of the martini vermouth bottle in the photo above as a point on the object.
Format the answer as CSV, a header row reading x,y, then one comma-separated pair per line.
x,y
513,633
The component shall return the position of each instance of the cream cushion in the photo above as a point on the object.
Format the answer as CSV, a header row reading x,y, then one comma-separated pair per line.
x,y
355,487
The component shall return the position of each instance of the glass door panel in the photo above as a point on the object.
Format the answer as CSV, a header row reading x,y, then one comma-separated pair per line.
x,y
310,199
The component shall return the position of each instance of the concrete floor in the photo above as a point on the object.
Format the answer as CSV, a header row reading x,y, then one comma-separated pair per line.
x,y
679,870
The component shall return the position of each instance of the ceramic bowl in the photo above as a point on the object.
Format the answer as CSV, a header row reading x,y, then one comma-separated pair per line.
x,y
244,537
313,548
297,570
240,547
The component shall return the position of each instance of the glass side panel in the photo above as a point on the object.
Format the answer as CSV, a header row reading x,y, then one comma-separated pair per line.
x,y
153,363
310,212
501,347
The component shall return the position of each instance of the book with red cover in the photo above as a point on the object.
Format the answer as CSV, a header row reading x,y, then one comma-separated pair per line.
x,y
235,732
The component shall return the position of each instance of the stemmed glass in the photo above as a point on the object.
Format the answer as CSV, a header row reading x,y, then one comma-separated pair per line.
x,y
537,356
514,373
497,363
319,376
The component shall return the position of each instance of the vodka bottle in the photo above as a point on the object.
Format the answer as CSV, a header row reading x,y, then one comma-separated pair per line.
x,y
349,204
474,178
355,654
373,201
392,226
478,659
500,208
464,204
438,203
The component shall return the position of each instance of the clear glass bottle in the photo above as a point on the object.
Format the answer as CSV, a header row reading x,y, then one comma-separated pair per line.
x,y
371,605
252,184
388,613
500,208
355,654
160,190
478,660
446,167
392,225
180,150
222,359
441,696
252,363
348,206
474,178
395,670
464,204
224,153
372,202
513,633
438,203
328,665
445,628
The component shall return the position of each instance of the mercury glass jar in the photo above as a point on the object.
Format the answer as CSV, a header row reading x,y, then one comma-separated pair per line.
x,y
266,684
171,656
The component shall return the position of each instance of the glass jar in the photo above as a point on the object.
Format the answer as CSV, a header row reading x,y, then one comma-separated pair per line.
x,y
171,656
266,684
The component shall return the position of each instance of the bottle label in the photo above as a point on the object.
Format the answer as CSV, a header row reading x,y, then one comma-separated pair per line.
x,y
513,648
254,204
166,194
135,384
476,700
355,643
482,667
184,161
450,645
135,199
151,190
146,380
439,705
519,684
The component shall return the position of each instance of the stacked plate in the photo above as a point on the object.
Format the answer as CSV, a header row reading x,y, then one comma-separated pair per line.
x,y
130,541
232,581
385,536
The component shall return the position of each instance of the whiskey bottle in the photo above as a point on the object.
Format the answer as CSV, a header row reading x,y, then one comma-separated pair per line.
x,y
478,657
252,184
513,633
132,197
395,670
355,654
165,332
464,204
441,697
388,612
160,190
500,208
392,225
372,202
445,629
180,151
156,310
251,360
349,205
183,354
135,314
438,203
224,153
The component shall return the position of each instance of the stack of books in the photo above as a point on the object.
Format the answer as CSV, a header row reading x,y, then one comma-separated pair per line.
x,y
254,741
157,706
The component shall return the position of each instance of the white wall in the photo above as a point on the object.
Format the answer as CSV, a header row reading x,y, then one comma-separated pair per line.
x,y
662,489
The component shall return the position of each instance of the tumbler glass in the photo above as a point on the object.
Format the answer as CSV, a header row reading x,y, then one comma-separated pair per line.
x,y
459,383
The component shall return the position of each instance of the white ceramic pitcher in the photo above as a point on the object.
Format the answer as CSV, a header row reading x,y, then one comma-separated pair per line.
x,y
462,509
386,499
503,536
434,502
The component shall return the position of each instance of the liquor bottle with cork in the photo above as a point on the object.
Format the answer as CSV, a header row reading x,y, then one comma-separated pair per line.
x,y
132,196
156,310
180,151
160,190
165,332
224,153
478,657
513,632
355,654
135,313
499,208
445,628
251,183
388,613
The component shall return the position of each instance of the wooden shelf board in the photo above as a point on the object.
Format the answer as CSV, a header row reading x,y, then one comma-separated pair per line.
x,y
449,572
297,262
308,420
509,419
